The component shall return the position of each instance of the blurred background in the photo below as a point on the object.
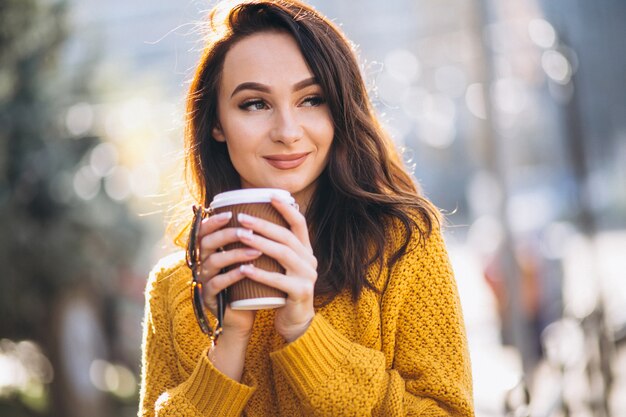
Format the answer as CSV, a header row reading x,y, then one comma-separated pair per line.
x,y
511,115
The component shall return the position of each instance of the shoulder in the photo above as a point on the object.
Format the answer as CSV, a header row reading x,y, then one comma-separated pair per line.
x,y
422,254
168,264
415,230
168,270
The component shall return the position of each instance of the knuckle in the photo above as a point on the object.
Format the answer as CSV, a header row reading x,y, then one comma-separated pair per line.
x,y
300,217
213,260
297,293
217,283
294,241
204,272
231,275
208,242
303,291
213,285
241,253
311,261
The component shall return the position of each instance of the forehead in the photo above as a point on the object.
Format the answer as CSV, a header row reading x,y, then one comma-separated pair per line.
x,y
266,57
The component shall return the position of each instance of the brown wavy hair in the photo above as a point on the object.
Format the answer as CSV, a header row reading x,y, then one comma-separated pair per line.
x,y
363,190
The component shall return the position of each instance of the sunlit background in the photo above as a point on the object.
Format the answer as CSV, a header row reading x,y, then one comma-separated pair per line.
x,y
511,115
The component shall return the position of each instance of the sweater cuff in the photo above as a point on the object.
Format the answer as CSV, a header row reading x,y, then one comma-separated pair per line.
x,y
212,392
309,360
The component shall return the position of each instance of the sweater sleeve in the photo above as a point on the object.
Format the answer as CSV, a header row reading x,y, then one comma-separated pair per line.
x,y
164,392
427,371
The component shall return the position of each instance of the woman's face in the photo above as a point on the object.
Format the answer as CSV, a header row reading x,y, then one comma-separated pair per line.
x,y
273,115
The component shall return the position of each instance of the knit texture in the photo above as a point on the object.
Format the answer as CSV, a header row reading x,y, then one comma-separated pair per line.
x,y
400,353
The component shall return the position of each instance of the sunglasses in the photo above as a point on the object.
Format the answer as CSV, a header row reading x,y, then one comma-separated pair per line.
x,y
193,262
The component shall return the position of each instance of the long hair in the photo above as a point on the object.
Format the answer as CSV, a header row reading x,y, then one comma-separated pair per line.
x,y
362,191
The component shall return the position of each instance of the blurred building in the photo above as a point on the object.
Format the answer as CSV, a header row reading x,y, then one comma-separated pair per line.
x,y
594,113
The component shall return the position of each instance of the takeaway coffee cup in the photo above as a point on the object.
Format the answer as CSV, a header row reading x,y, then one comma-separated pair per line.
x,y
248,294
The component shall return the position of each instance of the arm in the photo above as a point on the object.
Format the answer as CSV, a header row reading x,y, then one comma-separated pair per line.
x,y
424,369
164,391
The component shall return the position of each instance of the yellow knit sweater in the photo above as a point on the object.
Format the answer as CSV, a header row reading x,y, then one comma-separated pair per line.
x,y
402,353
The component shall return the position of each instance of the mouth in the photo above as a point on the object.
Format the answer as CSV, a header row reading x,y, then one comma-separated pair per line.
x,y
287,161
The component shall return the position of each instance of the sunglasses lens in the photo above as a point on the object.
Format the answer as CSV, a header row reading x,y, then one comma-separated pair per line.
x,y
191,243
192,246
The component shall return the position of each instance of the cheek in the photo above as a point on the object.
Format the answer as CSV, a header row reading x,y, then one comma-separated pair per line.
x,y
236,128
238,150
243,150
328,135
328,128
321,128
240,137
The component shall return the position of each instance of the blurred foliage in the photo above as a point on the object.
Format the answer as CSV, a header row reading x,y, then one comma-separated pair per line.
x,y
51,240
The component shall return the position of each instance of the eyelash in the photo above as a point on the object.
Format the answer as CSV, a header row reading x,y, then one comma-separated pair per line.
x,y
315,100
248,105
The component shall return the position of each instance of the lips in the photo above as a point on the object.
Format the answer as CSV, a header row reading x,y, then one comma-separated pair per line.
x,y
288,161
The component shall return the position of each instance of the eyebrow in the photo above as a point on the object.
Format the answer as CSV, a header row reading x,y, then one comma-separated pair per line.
x,y
265,89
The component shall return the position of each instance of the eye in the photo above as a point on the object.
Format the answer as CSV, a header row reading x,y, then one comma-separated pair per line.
x,y
253,105
313,101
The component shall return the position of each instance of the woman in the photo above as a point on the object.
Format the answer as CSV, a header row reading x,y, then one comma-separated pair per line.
x,y
372,324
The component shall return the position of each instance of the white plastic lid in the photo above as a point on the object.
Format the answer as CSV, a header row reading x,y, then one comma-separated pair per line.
x,y
250,195
258,303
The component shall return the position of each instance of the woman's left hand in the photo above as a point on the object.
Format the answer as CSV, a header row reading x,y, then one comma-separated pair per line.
x,y
292,249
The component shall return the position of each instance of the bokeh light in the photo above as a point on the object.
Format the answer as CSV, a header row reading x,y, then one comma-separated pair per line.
x,y
117,183
79,119
450,80
542,33
556,66
103,159
402,65
86,183
475,100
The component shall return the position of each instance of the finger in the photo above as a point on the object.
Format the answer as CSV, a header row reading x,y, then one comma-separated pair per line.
x,y
297,290
216,240
284,254
219,283
294,218
215,222
273,232
217,261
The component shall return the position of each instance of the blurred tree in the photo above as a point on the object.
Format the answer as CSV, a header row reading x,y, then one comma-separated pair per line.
x,y
53,243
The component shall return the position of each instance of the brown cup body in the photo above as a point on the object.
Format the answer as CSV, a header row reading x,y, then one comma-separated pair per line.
x,y
246,288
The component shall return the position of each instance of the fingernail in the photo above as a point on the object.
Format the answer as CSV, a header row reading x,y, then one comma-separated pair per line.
x,y
244,218
244,233
224,216
280,199
253,252
287,202
246,268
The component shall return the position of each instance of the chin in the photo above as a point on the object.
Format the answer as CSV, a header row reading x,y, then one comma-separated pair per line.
x,y
292,190
291,186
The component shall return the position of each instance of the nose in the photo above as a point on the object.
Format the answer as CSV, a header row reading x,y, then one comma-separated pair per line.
x,y
287,128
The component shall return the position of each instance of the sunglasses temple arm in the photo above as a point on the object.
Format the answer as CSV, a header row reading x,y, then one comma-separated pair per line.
x,y
221,307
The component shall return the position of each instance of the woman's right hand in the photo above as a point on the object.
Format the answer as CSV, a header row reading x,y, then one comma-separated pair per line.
x,y
212,237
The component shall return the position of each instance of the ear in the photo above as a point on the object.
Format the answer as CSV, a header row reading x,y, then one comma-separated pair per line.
x,y
218,133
